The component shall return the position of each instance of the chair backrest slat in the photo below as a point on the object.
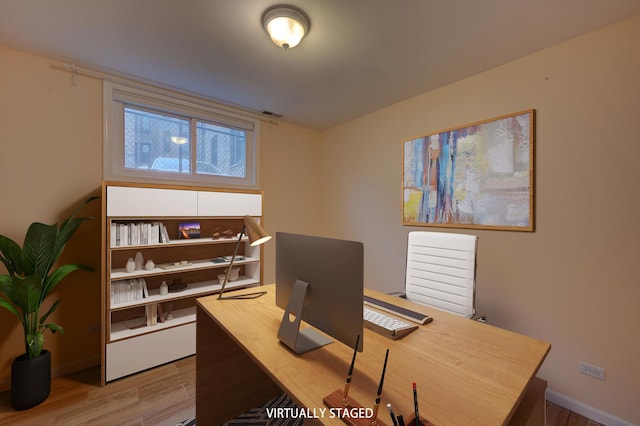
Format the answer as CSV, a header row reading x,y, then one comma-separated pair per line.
x,y
441,270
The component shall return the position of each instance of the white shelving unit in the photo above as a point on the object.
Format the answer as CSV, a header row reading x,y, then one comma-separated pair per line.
x,y
135,336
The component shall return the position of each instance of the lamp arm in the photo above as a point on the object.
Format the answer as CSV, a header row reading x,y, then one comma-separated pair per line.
x,y
233,258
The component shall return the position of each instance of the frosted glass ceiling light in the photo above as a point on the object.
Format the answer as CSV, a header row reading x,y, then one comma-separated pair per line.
x,y
286,25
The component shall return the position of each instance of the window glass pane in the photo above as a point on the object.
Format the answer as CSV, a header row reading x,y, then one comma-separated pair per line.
x,y
220,150
155,141
166,137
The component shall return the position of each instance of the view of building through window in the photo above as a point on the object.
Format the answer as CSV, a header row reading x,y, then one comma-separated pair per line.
x,y
152,135
166,143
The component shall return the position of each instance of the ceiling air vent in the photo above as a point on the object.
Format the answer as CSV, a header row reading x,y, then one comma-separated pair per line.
x,y
271,114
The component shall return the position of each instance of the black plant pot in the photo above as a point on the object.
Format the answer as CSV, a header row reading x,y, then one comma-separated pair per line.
x,y
30,380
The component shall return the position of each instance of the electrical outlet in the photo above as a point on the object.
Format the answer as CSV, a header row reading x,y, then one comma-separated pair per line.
x,y
591,370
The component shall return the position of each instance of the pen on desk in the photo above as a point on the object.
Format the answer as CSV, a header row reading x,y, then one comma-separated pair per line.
x,y
400,420
353,361
415,404
384,368
393,416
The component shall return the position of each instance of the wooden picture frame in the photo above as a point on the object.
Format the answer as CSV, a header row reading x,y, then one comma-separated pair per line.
x,y
480,175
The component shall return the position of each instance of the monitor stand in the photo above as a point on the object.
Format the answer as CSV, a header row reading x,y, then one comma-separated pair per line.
x,y
299,341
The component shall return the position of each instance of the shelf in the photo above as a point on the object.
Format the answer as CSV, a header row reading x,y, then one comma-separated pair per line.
x,y
120,331
138,210
193,289
196,265
177,243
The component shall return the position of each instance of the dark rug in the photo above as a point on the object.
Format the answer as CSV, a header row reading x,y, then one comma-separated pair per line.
x,y
261,416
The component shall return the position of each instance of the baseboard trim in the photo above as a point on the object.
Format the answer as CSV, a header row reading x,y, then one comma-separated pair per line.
x,y
60,370
585,410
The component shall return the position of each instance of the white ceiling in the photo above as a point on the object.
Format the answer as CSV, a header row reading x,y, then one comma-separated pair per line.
x,y
359,56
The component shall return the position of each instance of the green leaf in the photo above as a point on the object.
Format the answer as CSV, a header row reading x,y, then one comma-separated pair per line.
x,y
35,342
54,328
69,227
6,284
5,304
38,249
84,203
11,255
25,292
30,280
58,274
50,311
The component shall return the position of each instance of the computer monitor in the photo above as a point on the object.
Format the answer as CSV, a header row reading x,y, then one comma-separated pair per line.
x,y
320,281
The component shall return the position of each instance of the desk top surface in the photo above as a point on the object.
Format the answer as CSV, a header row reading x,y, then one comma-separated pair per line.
x,y
466,372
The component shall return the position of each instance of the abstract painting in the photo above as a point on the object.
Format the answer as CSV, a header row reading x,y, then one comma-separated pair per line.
x,y
476,176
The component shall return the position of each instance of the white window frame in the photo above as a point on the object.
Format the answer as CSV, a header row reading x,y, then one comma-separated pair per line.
x,y
117,95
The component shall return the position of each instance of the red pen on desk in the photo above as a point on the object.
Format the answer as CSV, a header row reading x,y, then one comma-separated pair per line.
x,y
415,404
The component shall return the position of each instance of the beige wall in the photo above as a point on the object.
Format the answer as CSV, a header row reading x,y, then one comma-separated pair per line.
x,y
572,282
50,160
291,175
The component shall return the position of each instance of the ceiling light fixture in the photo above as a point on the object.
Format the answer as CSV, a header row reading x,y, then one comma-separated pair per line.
x,y
286,25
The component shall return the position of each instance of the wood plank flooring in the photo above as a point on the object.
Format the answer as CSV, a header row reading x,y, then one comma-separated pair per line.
x,y
560,416
162,396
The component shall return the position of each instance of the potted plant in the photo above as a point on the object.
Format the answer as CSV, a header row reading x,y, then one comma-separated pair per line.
x,y
31,276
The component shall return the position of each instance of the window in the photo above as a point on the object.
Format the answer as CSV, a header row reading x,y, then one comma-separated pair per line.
x,y
161,137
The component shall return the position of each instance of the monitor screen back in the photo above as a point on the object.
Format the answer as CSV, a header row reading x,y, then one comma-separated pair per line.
x,y
334,270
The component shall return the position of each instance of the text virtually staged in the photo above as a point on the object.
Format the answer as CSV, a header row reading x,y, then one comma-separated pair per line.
x,y
319,413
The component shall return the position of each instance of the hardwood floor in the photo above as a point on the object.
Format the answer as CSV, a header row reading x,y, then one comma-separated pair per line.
x,y
560,416
161,396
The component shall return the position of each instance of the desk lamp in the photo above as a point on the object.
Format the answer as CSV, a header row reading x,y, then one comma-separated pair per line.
x,y
257,236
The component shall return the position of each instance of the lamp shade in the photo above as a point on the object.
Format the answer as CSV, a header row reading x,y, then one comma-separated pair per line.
x,y
286,25
257,235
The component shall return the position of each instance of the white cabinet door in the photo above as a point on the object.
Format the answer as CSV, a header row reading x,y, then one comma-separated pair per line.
x,y
128,201
149,350
229,204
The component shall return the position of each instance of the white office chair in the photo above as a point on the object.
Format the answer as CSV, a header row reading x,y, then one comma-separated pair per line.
x,y
441,271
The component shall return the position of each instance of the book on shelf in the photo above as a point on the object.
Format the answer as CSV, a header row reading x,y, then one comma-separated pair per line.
x,y
123,291
163,233
161,313
138,233
152,313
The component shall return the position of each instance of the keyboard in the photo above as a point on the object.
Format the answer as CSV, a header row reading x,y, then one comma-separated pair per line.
x,y
408,314
386,325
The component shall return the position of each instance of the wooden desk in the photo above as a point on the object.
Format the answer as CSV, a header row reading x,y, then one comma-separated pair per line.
x,y
468,373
